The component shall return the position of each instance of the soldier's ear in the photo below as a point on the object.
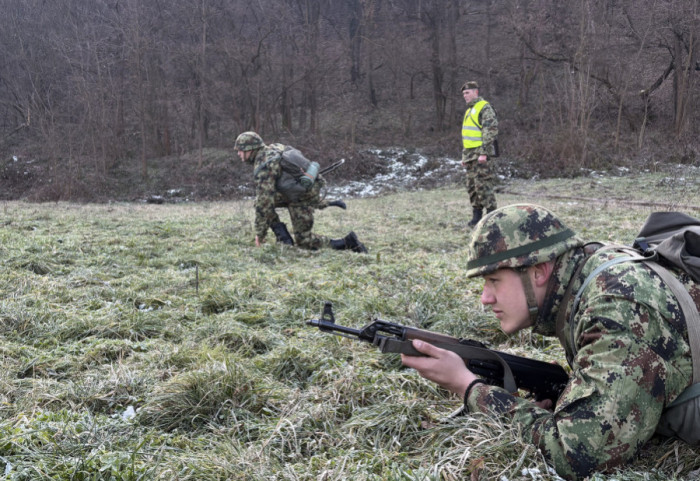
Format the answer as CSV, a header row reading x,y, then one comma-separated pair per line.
x,y
542,272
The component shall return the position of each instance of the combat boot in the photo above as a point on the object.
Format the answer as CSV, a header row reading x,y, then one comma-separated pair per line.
x,y
476,217
351,242
281,233
338,203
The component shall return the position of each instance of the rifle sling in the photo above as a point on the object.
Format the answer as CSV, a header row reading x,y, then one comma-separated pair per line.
x,y
387,344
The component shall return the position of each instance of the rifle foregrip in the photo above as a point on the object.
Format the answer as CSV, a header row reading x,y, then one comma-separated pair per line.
x,y
397,346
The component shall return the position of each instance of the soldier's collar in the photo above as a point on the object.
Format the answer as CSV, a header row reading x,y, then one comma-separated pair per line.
x,y
564,269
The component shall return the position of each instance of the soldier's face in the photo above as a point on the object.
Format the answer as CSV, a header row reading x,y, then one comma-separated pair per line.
x,y
470,94
504,293
244,155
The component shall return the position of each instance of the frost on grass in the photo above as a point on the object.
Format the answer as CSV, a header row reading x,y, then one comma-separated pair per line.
x,y
157,342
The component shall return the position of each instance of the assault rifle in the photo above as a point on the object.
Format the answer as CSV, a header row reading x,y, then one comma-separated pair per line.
x,y
542,380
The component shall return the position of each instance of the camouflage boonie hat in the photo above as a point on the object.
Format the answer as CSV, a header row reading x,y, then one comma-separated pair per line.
x,y
519,235
470,85
248,141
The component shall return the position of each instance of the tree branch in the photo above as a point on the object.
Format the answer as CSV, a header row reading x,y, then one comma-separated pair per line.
x,y
646,92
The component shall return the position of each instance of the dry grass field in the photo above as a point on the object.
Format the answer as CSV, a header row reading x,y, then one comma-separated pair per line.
x,y
155,342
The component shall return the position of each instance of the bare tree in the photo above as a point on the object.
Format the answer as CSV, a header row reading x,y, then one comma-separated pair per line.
x,y
95,85
685,30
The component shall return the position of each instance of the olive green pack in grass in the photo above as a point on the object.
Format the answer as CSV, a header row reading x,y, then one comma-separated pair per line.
x,y
519,236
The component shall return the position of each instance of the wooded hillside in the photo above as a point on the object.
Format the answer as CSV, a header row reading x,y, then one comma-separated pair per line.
x,y
99,91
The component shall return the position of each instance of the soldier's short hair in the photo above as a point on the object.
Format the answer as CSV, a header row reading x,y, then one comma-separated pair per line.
x,y
470,85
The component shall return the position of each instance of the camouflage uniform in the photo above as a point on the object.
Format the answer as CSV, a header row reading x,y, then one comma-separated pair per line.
x,y
481,177
631,357
267,199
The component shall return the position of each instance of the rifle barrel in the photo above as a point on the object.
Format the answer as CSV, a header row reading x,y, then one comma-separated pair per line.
x,y
328,326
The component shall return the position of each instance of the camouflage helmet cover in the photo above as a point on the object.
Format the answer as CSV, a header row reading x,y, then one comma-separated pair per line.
x,y
519,235
248,141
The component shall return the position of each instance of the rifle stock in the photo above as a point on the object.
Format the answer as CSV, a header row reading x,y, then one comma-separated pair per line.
x,y
542,380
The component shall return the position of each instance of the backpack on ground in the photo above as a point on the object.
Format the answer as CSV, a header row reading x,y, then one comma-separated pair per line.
x,y
672,238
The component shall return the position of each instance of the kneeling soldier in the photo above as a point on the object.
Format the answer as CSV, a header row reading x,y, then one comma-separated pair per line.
x,y
285,178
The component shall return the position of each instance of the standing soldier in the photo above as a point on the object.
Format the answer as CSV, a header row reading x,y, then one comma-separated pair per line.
x,y
285,178
479,131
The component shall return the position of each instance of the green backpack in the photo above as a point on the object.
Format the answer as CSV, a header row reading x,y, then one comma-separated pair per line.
x,y
298,173
675,238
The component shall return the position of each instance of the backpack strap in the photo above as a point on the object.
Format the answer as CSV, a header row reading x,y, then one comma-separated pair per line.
x,y
579,294
561,315
268,161
690,310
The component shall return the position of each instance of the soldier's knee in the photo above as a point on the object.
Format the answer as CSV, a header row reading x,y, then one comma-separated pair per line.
x,y
305,240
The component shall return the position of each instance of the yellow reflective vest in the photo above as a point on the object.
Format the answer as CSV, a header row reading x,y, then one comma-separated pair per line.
x,y
471,128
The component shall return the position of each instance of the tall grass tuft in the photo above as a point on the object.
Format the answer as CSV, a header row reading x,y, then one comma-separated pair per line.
x,y
210,395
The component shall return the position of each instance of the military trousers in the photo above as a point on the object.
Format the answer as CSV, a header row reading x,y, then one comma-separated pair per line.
x,y
302,217
481,182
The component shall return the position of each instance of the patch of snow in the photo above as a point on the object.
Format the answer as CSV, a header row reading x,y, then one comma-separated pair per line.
x,y
128,413
402,169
